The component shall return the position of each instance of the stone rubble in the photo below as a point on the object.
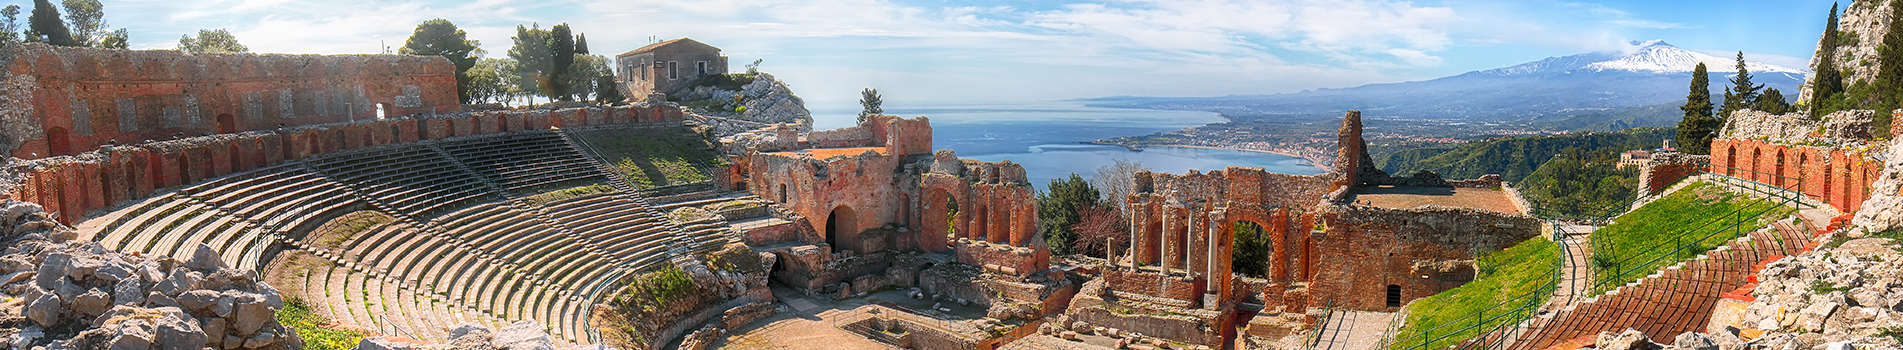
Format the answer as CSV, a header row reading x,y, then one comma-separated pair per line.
x,y
1884,210
77,295
522,335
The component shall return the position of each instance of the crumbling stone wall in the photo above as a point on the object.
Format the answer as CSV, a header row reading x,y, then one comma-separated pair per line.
x,y
82,98
1667,168
72,186
1837,176
1365,249
1186,222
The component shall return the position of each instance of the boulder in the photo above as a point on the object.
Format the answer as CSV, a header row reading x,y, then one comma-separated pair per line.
x,y
1630,339
1694,341
46,311
205,259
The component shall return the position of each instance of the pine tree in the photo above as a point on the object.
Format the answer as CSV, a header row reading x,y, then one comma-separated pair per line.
x,y
1699,126
1828,82
581,44
1889,71
440,37
870,104
1772,101
1742,94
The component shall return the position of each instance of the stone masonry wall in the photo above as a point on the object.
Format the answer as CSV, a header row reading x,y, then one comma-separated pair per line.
x,y
72,186
81,98
1366,249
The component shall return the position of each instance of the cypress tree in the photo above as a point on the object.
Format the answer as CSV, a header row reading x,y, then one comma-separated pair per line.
x,y
1889,81
46,26
1697,128
561,43
1829,82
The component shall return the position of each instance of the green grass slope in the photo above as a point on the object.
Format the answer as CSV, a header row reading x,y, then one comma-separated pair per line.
x,y
1509,279
1699,217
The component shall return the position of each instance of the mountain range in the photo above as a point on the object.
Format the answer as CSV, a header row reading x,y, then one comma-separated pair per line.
x,y
1597,90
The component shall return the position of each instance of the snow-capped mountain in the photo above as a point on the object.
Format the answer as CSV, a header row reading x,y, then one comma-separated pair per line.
x,y
1645,76
1659,57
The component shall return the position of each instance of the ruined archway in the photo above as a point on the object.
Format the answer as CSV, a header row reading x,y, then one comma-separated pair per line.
x,y
1253,248
840,222
1778,176
1756,154
58,141
935,220
227,124
1731,161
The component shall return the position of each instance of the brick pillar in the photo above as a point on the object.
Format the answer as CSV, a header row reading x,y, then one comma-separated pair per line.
x,y
1278,254
1196,243
1168,245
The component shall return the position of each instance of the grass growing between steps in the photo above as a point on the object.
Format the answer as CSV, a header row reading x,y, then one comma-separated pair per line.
x,y
1653,232
342,229
1507,280
650,158
314,328
566,194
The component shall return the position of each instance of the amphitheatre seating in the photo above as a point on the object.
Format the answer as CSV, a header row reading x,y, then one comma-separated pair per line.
x,y
524,160
1674,300
237,215
412,180
461,250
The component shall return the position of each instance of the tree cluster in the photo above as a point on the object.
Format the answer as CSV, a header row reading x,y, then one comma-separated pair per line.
x,y
1829,91
83,24
555,63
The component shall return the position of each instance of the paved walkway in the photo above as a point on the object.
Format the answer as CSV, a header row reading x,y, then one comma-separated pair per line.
x,y
1353,330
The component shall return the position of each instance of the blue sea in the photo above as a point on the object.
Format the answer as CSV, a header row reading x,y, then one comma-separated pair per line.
x,y
1047,138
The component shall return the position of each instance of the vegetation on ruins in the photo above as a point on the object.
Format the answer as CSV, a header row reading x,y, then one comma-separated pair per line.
x,y
870,104
1699,125
1514,158
1506,280
439,37
689,214
45,26
566,194
657,159
211,41
653,290
1058,209
1772,101
1699,217
605,90
1889,78
1579,182
314,329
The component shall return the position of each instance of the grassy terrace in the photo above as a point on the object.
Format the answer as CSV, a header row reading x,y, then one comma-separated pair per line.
x,y
652,159
1701,216
315,329
1508,279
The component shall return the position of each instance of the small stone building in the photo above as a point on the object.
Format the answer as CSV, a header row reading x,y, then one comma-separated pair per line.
x,y
667,66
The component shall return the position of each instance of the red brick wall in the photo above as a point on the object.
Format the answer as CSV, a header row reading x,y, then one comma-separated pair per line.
x,y
1830,175
93,96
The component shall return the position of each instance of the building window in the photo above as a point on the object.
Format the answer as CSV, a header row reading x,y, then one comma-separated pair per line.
x,y
700,67
672,68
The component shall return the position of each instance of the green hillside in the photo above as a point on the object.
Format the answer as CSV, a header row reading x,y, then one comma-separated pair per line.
x,y
1515,157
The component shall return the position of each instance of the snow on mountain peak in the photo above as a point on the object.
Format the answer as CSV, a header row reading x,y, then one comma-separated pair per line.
x,y
1656,56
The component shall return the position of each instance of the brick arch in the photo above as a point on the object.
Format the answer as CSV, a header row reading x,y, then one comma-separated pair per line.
x,y
1777,178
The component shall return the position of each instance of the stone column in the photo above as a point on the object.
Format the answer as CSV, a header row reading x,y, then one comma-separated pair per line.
x,y
1166,247
1209,260
1132,222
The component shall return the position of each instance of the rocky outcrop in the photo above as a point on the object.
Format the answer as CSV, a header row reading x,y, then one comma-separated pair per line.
x,y
764,102
523,335
1884,210
78,295
1861,26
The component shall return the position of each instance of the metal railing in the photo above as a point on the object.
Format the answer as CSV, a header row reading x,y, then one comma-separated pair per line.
x,y
1512,318
1321,325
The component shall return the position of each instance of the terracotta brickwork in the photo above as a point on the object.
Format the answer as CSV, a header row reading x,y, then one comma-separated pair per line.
x,y
881,173
82,98
72,186
1186,222
1830,175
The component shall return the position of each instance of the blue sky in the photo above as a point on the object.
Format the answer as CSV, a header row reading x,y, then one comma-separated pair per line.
x,y
976,52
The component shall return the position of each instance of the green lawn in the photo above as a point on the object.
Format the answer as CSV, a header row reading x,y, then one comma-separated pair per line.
x,y
314,328
1509,279
1701,216
649,158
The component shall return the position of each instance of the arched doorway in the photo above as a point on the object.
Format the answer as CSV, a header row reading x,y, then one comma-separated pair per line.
x,y
1252,249
1778,176
227,124
1731,160
840,222
935,216
58,141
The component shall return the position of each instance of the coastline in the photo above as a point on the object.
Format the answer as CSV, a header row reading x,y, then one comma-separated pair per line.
x,y
1312,161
